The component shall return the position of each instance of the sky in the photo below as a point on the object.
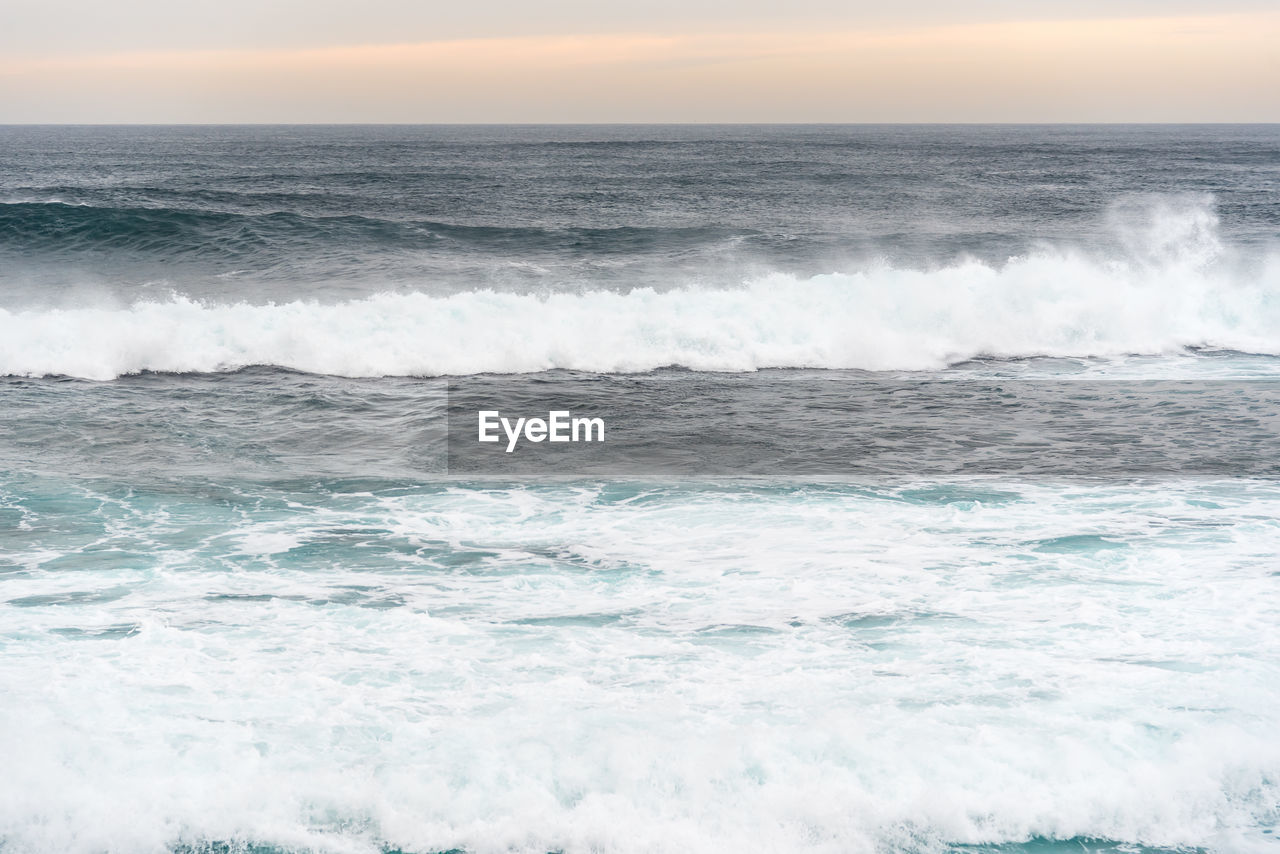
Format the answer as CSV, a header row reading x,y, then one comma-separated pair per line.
x,y
90,61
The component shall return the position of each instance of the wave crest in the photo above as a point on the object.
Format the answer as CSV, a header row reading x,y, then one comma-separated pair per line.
x,y
878,319
58,227
1169,287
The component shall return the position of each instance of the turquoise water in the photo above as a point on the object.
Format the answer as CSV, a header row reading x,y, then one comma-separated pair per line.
x,y
629,665
1037,846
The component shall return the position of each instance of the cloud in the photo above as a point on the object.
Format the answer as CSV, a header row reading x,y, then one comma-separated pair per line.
x,y
1189,68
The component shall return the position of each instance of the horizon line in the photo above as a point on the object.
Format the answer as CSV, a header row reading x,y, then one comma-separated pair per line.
x,y
1064,123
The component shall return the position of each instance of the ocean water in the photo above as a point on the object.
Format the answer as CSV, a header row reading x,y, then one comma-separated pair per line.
x,y
940,511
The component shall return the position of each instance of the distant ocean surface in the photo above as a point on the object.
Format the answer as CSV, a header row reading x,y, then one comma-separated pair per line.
x,y
245,604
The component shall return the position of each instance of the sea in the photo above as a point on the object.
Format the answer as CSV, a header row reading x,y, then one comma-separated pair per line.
x,y
937,512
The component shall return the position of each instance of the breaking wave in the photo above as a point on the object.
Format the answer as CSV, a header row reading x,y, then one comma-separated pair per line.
x,y
1170,287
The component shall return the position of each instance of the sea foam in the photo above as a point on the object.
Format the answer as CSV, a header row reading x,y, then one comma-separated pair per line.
x,y
629,668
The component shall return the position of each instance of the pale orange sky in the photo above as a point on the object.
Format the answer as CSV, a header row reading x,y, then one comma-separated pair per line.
x,y
1185,67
